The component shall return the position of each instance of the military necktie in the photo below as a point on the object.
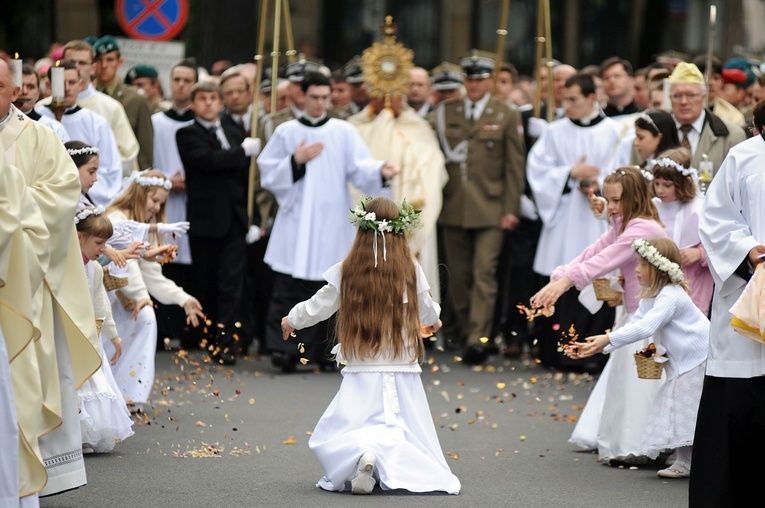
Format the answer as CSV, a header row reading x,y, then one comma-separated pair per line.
x,y
471,117
685,129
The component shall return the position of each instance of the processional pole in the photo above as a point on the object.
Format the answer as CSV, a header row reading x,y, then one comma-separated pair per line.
x,y
544,52
501,34
260,65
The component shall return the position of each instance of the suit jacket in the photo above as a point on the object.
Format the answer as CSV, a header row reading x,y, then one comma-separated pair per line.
x,y
216,180
490,182
717,137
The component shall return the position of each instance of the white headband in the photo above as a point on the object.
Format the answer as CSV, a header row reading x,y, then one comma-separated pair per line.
x,y
87,212
147,181
85,150
669,163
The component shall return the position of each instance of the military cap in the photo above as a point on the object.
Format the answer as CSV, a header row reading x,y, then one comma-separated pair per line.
x,y
477,65
297,70
353,71
744,65
686,74
735,76
90,39
140,71
106,44
265,80
446,76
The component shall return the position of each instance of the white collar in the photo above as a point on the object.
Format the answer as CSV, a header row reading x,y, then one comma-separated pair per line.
x,y
207,124
587,120
4,121
479,104
90,91
314,120
697,124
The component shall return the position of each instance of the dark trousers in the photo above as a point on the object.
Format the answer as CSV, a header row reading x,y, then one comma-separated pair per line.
x,y
171,319
568,312
258,292
287,292
729,443
220,272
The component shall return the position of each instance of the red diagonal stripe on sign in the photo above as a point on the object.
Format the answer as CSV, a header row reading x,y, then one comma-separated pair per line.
x,y
152,9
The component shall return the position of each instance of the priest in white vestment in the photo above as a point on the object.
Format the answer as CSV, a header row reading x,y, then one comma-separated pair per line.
x,y
400,135
67,350
307,164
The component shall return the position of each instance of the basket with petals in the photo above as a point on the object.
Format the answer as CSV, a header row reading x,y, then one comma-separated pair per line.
x,y
605,293
649,363
111,282
127,303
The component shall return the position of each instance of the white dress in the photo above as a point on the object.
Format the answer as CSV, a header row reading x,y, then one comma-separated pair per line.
x,y
381,407
135,370
9,434
104,417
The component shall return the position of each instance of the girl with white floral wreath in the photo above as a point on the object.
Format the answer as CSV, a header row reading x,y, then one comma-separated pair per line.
x,y
669,315
378,428
104,416
142,202
615,414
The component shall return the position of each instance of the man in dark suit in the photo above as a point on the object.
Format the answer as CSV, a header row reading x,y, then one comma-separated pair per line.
x,y
482,140
216,160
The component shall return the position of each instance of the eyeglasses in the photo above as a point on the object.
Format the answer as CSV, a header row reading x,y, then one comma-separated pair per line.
x,y
677,97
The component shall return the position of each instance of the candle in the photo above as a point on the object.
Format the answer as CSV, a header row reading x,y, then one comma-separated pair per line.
x,y
16,70
57,83
712,14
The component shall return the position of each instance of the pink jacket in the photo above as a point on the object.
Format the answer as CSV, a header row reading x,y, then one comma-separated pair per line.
x,y
613,251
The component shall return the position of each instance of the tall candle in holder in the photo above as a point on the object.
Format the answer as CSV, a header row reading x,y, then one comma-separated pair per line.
x,y
17,70
57,83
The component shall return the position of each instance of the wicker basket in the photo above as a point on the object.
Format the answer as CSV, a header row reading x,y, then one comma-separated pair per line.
x,y
99,322
605,293
111,282
127,303
647,368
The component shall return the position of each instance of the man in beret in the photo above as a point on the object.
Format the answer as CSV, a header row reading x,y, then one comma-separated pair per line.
x,y
107,63
715,102
146,79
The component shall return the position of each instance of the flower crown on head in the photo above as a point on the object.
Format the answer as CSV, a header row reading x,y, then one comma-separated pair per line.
x,y
147,181
87,212
666,162
408,218
653,256
85,150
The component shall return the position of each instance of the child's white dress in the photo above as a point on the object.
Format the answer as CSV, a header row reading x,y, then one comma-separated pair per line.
x,y
135,370
104,417
675,322
381,407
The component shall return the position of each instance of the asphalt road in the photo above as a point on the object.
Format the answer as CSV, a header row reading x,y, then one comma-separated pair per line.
x,y
238,437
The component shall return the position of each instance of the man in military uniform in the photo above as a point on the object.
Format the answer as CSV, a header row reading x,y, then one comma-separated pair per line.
x,y
446,82
482,140
108,61
355,76
146,78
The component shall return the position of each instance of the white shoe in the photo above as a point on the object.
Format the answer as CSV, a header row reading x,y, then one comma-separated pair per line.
x,y
364,482
676,470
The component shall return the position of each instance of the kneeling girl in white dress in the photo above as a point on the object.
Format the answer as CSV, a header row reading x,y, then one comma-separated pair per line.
x,y
104,417
143,201
378,428
668,314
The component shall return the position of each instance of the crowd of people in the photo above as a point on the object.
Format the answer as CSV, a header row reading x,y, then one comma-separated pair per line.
x,y
210,220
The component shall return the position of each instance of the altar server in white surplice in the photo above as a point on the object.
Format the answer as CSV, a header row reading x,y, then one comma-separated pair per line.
x,y
731,420
569,160
307,164
91,128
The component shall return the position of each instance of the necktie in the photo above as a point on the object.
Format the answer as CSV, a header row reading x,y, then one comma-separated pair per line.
x,y
685,129
471,117
214,132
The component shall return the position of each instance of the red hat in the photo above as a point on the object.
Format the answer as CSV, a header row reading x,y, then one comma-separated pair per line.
x,y
735,76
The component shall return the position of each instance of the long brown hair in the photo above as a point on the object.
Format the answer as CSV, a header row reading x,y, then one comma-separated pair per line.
x,y
636,195
685,187
659,278
372,318
132,201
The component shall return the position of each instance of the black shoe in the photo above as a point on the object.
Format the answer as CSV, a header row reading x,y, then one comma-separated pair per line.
x,y
452,345
476,354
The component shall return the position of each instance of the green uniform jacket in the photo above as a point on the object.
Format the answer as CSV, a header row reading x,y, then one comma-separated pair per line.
x,y
490,181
